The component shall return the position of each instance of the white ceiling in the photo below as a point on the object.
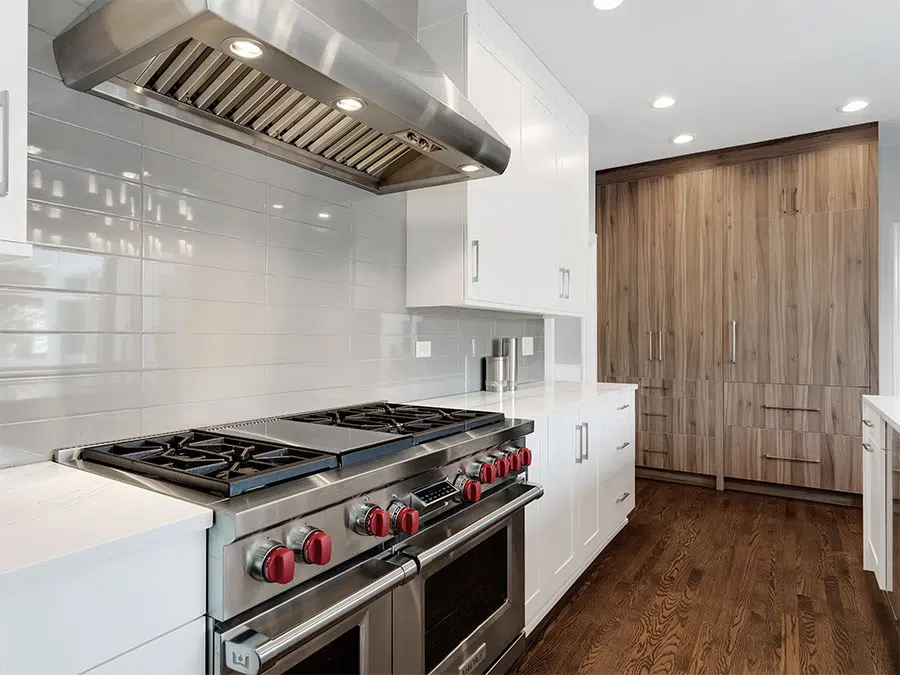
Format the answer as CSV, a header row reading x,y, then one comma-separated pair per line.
x,y
742,70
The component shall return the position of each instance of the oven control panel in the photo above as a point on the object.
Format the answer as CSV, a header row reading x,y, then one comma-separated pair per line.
x,y
436,494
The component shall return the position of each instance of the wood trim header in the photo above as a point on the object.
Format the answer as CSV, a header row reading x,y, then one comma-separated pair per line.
x,y
781,147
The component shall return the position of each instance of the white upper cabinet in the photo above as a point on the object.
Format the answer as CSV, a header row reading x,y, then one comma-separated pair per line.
x,y
14,129
517,241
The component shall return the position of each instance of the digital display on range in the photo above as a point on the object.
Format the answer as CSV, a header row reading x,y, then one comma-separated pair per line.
x,y
434,494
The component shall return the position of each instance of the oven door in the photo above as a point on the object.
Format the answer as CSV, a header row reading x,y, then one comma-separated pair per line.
x,y
466,607
341,627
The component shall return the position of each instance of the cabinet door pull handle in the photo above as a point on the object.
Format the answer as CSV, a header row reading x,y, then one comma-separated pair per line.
x,y
660,354
623,498
568,284
868,447
624,445
476,253
651,344
734,341
793,459
586,432
869,423
790,408
657,452
783,201
579,442
624,407
794,204
4,170
562,283
659,388
655,414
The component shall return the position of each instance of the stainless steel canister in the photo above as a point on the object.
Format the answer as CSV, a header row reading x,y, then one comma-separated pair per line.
x,y
508,347
496,373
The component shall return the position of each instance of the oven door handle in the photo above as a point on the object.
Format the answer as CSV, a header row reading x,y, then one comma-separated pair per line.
x,y
251,652
457,539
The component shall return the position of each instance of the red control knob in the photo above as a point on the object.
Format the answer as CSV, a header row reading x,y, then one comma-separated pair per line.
x,y
317,549
378,522
487,473
525,456
407,521
278,565
471,491
502,467
515,462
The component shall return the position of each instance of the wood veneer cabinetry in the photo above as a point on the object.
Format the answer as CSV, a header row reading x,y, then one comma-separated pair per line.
x,y
738,289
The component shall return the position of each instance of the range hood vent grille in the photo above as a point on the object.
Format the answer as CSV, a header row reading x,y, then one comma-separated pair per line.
x,y
196,75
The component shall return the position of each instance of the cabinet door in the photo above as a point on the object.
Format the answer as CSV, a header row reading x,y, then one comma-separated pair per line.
x,y
537,527
656,232
877,508
594,441
574,176
836,179
13,128
558,504
797,288
495,208
618,280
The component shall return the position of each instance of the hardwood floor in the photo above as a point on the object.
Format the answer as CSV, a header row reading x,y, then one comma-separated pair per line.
x,y
723,582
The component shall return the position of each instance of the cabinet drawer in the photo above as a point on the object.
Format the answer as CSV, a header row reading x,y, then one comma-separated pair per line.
x,y
691,416
650,386
674,452
617,493
874,426
827,410
619,447
825,461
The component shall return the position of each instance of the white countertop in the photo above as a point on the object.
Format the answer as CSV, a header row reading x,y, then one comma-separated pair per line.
x,y
888,407
531,400
56,519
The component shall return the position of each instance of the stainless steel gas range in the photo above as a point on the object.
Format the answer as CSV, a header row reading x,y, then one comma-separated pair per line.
x,y
379,538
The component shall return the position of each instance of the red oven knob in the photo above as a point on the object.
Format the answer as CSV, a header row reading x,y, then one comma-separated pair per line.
x,y
482,471
502,467
317,549
525,456
515,462
273,563
469,490
405,520
378,522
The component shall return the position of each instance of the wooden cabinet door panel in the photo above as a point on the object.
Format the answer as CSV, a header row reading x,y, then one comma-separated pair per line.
x,y
618,280
674,452
690,416
836,179
830,410
824,461
656,387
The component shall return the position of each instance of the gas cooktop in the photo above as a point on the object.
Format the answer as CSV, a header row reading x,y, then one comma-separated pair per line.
x,y
233,459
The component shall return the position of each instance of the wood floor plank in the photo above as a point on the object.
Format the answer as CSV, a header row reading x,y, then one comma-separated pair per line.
x,y
710,582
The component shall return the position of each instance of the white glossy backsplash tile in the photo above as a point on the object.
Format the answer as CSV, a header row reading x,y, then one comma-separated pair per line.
x,y
179,281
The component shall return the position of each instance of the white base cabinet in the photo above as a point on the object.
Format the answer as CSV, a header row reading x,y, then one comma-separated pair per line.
x,y
877,497
584,458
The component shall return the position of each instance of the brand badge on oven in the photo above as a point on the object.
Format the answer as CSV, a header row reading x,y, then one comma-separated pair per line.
x,y
474,661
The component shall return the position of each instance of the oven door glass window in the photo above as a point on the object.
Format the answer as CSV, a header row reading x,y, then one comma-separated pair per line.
x,y
463,595
341,656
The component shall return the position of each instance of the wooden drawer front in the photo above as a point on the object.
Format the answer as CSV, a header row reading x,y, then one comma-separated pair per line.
x,y
874,426
691,416
827,410
678,388
824,461
673,452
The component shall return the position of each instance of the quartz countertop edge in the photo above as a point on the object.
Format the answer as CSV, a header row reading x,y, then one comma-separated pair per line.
x,y
531,400
888,407
55,520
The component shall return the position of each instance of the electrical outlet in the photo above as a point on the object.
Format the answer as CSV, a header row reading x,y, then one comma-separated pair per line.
x,y
527,346
423,350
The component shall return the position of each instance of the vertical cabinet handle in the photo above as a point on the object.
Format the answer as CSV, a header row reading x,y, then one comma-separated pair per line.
x,y
734,341
4,129
579,442
586,432
650,334
794,205
568,283
659,354
562,283
476,260
783,201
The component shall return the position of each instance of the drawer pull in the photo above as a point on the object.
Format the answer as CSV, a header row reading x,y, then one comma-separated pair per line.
x,y
790,409
657,388
869,423
624,445
794,459
657,452
654,414
868,447
623,498
624,407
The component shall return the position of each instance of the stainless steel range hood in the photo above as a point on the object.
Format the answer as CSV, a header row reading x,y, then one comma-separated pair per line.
x,y
273,75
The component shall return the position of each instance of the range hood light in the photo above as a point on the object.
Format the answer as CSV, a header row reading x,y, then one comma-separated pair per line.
x,y
470,168
244,48
349,104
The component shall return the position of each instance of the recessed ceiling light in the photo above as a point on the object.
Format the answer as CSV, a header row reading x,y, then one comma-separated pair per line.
x,y
470,168
349,104
244,48
855,105
607,4
278,206
664,102
324,216
681,139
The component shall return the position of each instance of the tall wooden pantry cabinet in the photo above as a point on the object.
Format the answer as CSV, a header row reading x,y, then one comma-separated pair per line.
x,y
737,288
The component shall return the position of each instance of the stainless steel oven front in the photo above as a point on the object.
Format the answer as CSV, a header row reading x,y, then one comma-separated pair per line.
x,y
465,609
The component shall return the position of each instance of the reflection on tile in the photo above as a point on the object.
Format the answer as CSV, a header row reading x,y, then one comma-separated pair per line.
x,y
173,280
57,353
371,347
42,437
293,263
167,315
173,244
306,293
379,276
382,323
203,351
70,270
84,149
37,398
54,225
380,252
302,208
308,238
307,348
166,387
39,311
64,185
171,208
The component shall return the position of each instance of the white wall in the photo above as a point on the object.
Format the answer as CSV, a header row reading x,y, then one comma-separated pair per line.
x,y
888,263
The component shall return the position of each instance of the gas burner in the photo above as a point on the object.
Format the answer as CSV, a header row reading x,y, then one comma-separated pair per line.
x,y
212,462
